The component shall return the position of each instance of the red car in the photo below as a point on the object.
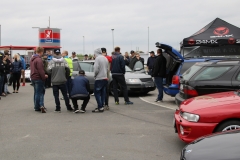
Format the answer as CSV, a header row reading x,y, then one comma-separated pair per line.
x,y
203,115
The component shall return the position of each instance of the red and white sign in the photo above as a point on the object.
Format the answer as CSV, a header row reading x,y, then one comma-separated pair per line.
x,y
48,36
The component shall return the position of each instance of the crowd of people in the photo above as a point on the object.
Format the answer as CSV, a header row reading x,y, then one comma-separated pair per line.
x,y
11,72
55,71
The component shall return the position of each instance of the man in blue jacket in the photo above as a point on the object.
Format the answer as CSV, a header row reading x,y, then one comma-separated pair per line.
x,y
80,91
118,71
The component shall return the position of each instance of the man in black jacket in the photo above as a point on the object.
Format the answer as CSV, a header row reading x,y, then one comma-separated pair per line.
x,y
118,71
2,72
159,72
8,65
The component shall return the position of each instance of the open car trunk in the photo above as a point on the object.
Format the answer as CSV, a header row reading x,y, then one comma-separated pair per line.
x,y
174,60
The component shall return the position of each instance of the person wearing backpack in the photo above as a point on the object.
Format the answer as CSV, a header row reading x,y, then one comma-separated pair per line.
x,y
16,72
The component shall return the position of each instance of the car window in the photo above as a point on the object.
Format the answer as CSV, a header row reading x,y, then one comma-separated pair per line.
x,y
190,72
87,67
128,69
76,67
212,72
138,66
186,66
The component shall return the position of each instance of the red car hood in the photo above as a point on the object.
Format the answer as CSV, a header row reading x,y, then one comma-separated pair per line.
x,y
210,100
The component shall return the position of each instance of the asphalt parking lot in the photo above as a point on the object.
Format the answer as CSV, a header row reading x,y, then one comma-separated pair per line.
x,y
140,131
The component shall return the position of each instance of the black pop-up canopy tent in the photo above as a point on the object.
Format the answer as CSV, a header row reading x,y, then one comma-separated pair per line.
x,y
218,33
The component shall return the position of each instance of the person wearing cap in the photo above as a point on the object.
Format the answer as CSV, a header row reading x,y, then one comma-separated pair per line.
x,y
109,58
85,57
38,76
132,60
101,80
118,71
159,72
74,57
80,91
59,70
150,62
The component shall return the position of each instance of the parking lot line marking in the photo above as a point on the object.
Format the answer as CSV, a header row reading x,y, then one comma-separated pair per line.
x,y
156,104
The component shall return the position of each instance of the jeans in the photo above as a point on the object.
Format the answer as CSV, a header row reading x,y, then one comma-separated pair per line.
x,y
100,91
68,85
6,84
39,91
159,84
120,79
85,102
1,83
63,89
107,95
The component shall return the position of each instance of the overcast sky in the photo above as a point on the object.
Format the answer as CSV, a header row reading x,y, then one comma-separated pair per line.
x,y
168,21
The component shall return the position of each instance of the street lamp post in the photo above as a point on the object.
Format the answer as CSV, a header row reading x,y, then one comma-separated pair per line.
x,y
113,38
148,39
0,36
83,46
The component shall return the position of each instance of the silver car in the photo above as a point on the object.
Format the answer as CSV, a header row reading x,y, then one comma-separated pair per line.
x,y
136,81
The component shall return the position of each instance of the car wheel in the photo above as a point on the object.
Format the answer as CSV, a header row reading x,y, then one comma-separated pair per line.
x,y
228,126
118,89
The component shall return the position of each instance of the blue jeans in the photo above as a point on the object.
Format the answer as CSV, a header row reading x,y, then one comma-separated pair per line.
x,y
39,91
159,84
1,83
6,84
63,89
100,92
69,85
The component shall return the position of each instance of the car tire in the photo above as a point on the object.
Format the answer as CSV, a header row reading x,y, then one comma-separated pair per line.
x,y
228,125
119,89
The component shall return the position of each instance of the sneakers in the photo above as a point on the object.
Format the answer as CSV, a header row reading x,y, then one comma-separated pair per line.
x,y
96,110
128,103
117,103
76,110
157,100
82,110
57,111
23,84
43,109
106,107
62,98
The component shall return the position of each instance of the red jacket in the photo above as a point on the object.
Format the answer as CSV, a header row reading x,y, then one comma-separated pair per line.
x,y
109,58
37,68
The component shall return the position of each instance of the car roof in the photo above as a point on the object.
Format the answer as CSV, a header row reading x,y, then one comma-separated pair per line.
x,y
220,62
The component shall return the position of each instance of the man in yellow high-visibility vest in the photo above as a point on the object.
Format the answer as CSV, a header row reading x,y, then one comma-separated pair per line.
x,y
70,64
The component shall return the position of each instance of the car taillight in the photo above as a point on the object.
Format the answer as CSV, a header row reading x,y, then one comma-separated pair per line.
x,y
190,91
175,80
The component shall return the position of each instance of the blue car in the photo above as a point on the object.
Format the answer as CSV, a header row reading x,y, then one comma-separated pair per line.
x,y
176,66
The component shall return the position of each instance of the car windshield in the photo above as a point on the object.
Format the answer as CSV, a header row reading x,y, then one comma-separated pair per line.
x,y
190,72
128,69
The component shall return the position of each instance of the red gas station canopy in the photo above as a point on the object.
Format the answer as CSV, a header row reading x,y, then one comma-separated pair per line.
x,y
26,47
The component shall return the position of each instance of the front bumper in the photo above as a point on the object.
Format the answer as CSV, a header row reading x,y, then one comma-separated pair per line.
x,y
141,87
189,131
